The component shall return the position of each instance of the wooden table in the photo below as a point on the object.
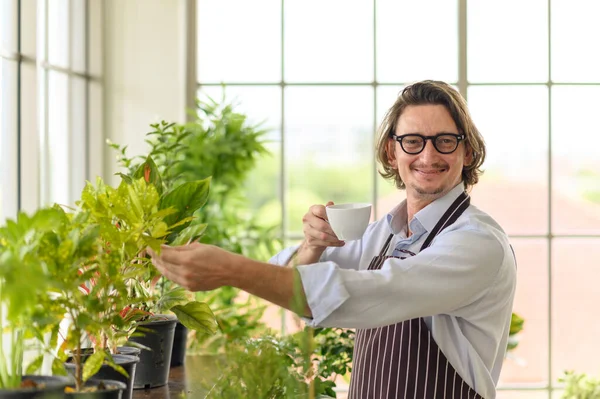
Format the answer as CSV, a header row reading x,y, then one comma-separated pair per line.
x,y
188,381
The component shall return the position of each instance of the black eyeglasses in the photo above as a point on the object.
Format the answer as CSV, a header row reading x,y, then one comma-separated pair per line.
x,y
444,143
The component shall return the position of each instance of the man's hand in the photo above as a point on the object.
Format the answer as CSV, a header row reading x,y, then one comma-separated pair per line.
x,y
196,267
201,267
318,235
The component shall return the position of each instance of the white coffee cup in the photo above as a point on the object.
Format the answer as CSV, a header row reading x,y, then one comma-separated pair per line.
x,y
349,221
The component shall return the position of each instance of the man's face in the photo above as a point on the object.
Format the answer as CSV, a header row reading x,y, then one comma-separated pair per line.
x,y
429,174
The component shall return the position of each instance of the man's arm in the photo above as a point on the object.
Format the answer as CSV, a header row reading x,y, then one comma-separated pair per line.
x,y
200,267
279,285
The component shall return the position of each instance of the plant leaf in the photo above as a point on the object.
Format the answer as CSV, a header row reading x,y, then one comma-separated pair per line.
x,y
35,365
58,367
149,171
187,199
93,364
196,316
190,233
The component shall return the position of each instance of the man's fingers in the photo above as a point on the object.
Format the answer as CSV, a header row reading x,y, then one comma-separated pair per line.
x,y
180,248
168,270
323,238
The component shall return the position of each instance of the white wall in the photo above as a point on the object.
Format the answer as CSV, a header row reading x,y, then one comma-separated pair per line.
x,y
144,71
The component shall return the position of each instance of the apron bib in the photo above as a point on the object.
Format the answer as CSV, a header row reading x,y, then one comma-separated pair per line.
x,y
403,360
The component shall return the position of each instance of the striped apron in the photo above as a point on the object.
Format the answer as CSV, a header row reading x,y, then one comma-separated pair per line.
x,y
403,360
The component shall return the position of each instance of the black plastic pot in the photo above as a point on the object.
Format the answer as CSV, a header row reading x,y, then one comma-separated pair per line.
x,y
106,372
128,350
179,345
153,369
114,390
53,388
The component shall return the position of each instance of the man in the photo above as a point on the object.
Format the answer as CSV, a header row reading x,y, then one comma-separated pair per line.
x,y
429,287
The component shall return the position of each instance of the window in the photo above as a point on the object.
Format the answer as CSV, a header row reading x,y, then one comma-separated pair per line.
x,y
323,83
50,100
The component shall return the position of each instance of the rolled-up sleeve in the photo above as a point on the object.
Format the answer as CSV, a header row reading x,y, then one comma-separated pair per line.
x,y
283,257
441,279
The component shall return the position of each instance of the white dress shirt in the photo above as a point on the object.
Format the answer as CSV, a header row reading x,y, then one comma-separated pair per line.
x,y
463,285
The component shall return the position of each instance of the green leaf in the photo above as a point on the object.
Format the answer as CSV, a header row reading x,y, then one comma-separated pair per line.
x,y
196,316
190,233
93,364
35,365
126,179
58,367
111,363
149,171
187,199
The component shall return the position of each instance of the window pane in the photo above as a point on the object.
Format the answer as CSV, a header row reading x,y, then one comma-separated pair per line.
x,y
95,32
323,46
528,362
507,41
30,139
575,32
8,27
58,138
96,144
575,160
514,123
8,138
58,32
414,42
575,325
78,35
260,104
28,27
239,41
522,395
78,136
328,147
388,196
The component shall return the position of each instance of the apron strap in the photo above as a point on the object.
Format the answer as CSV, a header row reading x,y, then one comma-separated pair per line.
x,y
386,246
459,205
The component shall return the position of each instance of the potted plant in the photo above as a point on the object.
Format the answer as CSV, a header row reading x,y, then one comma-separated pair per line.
x,y
23,278
219,142
140,213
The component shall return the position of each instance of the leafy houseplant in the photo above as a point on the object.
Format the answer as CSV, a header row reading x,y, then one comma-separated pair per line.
x,y
141,213
220,143
23,279
57,252
580,386
516,326
270,367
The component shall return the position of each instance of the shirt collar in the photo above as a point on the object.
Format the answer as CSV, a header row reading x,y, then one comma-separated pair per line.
x,y
428,216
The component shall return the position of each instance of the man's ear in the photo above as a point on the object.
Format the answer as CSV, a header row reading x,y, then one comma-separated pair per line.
x,y
391,153
469,155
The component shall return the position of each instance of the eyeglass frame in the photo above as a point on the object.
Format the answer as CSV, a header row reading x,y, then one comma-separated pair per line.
x,y
459,138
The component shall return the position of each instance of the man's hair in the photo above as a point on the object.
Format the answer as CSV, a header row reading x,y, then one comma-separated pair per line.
x,y
434,93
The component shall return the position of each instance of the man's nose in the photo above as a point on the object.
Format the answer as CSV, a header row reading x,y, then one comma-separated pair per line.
x,y
429,152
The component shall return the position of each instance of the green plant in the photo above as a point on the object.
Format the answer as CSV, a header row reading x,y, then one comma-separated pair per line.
x,y
333,352
219,143
23,283
580,386
516,326
59,253
140,213
269,367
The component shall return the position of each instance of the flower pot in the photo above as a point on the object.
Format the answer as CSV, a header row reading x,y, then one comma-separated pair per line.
x,y
179,345
46,387
113,390
158,334
106,372
128,350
